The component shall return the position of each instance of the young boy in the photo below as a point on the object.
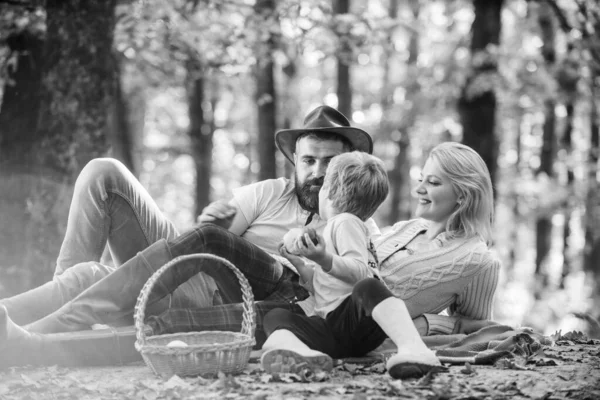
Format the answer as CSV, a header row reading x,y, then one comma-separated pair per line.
x,y
355,185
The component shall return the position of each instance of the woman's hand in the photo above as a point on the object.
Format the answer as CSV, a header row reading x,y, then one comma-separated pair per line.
x,y
468,325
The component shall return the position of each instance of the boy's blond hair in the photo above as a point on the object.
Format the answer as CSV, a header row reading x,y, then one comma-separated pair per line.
x,y
357,182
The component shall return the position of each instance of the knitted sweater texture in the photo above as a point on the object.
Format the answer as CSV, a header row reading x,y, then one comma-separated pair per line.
x,y
460,276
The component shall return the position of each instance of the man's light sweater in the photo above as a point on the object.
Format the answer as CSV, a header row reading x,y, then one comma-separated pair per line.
x,y
459,275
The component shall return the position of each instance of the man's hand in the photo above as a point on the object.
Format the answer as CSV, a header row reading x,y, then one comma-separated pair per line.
x,y
305,271
219,213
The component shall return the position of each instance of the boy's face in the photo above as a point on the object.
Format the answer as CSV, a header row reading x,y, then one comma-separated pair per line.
x,y
311,159
326,209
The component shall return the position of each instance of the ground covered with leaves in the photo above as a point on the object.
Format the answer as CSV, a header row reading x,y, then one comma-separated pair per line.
x,y
569,369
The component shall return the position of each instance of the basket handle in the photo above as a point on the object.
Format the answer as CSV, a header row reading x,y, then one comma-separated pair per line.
x,y
248,316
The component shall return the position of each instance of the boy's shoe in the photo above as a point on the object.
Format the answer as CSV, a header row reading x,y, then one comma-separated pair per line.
x,y
405,366
276,361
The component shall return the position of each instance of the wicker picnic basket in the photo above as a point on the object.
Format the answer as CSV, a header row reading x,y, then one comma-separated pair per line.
x,y
208,352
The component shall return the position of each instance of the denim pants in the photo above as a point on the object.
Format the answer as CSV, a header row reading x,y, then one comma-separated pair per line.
x,y
109,207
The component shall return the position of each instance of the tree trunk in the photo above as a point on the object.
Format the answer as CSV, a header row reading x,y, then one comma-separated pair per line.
x,y
344,59
544,222
592,217
399,174
21,100
266,96
568,77
290,105
478,110
121,135
77,87
515,227
39,165
201,132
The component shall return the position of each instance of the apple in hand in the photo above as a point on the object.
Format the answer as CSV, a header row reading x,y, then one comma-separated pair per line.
x,y
312,234
290,240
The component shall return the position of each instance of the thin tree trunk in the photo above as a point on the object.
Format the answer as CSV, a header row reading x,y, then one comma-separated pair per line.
x,y
266,97
592,218
568,77
201,115
290,105
399,174
516,214
478,110
344,57
121,140
544,222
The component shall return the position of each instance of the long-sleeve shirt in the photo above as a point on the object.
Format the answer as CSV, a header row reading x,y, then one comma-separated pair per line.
x,y
456,274
347,239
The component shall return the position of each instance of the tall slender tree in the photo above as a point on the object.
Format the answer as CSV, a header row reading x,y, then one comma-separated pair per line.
x,y
477,104
567,78
399,173
344,57
265,88
201,131
543,224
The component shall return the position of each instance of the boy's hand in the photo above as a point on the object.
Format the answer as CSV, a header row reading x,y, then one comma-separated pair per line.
x,y
307,248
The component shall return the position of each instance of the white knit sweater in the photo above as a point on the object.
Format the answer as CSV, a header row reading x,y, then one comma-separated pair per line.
x,y
460,276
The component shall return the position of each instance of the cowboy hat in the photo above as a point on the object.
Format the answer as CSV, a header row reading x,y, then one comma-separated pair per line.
x,y
323,119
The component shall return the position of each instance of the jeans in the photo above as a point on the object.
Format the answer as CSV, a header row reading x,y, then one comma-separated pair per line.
x,y
109,207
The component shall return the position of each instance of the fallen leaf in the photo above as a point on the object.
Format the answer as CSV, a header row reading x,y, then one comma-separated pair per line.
x,y
176,382
266,378
545,363
468,369
341,390
396,387
29,382
352,367
535,388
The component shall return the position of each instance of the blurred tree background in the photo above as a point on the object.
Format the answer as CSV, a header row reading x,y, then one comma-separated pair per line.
x,y
188,94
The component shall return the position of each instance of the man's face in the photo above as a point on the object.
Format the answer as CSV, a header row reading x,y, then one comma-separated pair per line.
x,y
311,158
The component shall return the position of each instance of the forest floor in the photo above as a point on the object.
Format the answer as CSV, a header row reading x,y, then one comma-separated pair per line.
x,y
570,369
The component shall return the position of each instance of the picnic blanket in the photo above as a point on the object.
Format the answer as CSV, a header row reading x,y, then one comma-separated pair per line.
x,y
485,346
114,346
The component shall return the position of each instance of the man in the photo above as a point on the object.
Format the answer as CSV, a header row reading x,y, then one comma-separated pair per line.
x,y
256,217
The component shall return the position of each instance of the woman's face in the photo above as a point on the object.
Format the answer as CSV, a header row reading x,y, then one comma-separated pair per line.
x,y
436,199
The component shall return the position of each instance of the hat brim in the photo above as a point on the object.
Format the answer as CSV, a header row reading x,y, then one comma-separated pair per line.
x,y
285,139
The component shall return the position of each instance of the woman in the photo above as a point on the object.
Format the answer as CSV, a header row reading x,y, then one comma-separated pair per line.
x,y
438,261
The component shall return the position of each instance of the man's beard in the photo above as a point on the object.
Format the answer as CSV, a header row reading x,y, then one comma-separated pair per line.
x,y
307,197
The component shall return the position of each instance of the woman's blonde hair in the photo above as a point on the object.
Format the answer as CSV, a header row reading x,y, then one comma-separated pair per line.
x,y
471,181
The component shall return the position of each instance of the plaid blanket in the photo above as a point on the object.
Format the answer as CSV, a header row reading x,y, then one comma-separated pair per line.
x,y
484,346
